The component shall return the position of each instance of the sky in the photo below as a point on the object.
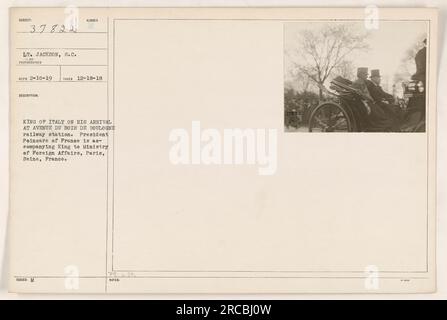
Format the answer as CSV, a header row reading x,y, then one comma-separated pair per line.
x,y
388,44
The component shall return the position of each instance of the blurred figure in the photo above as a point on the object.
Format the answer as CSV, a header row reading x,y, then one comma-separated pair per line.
x,y
421,63
416,105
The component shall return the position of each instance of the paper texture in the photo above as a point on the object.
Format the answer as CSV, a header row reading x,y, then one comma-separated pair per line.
x,y
188,151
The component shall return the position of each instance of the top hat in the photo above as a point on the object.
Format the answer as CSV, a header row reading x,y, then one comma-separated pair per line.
x,y
375,73
362,71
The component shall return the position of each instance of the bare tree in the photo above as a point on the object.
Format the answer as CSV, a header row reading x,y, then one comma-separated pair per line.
x,y
346,69
319,52
297,82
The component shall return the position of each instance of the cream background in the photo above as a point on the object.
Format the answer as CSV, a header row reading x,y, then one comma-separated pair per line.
x,y
337,202
439,210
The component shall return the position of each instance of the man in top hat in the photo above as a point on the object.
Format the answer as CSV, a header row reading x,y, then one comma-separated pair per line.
x,y
360,82
375,90
379,119
383,99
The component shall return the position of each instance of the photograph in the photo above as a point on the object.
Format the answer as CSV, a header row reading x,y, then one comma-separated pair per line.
x,y
347,76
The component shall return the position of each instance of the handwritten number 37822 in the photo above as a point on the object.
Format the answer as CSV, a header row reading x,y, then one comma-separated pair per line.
x,y
51,28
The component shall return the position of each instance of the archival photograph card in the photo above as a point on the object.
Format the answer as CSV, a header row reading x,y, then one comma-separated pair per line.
x,y
224,150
